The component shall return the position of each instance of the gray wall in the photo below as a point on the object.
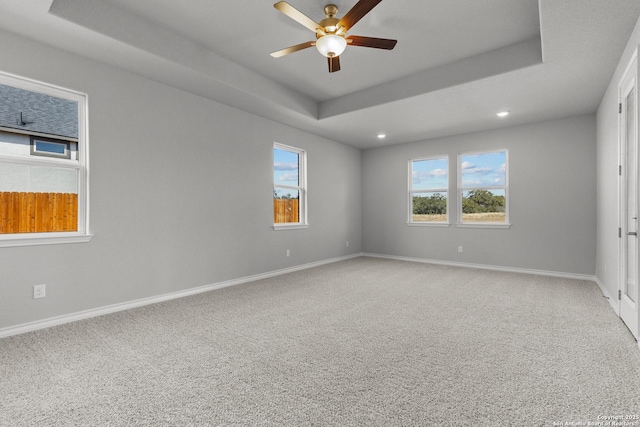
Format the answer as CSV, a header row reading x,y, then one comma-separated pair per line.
x,y
552,200
608,260
181,195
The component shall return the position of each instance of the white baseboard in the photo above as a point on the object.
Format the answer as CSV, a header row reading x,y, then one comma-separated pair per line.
x,y
607,295
86,314
487,267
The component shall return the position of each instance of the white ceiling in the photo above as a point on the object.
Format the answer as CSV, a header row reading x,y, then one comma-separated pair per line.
x,y
456,64
249,30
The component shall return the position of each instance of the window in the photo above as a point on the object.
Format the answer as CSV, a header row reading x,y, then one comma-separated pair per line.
x,y
289,187
51,147
483,188
428,194
43,164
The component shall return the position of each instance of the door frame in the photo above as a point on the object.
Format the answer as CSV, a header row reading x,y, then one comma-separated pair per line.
x,y
631,71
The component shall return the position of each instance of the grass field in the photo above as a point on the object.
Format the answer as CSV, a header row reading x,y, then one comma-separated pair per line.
x,y
472,217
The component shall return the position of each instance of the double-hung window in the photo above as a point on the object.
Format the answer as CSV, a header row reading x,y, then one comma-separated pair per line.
x,y
289,187
43,163
428,191
483,191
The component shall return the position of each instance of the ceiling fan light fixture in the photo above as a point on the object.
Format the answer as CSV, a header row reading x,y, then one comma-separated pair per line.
x,y
331,32
331,45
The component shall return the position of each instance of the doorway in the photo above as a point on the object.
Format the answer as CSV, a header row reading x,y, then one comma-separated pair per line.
x,y
628,232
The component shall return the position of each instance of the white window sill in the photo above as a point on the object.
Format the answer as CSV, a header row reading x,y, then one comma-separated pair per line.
x,y
428,224
483,225
280,227
37,239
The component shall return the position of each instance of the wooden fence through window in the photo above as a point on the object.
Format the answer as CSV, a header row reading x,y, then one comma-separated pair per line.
x,y
285,210
38,212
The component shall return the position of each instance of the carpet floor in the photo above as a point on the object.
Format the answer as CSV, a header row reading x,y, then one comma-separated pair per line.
x,y
355,343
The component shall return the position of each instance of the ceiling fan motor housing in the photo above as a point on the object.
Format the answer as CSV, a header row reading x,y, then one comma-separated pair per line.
x,y
330,26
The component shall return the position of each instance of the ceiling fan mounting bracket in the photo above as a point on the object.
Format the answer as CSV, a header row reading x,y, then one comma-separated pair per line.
x,y
331,10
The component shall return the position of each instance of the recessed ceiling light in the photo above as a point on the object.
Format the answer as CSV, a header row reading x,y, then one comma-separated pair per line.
x,y
503,114
382,136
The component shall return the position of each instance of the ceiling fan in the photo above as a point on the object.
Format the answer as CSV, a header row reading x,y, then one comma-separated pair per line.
x,y
331,32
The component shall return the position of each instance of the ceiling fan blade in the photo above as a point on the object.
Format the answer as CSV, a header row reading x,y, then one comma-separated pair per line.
x,y
297,16
291,49
334,64
377,43
357,12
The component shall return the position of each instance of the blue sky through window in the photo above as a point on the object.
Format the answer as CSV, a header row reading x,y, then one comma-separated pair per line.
x,y
484,170
429,174
285,168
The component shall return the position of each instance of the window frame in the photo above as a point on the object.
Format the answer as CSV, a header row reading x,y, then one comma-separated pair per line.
x,y
505,187
301,187
81,164
33,140
410,221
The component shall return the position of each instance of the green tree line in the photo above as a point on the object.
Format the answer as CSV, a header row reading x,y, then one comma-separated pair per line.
x,y
477,201
430,205
286,196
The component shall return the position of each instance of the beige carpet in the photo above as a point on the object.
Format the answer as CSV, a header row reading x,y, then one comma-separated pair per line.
x,y
360,342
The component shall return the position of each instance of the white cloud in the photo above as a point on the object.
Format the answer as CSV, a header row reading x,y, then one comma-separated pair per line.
x,y
288,177
280,166
420,176
466,165
472,170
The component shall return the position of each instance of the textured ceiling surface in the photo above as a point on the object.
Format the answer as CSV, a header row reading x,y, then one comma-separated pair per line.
x,y
428,37
456,63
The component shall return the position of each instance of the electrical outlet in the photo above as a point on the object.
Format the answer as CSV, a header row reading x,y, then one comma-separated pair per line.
x,y
347,243
39,291
459,248
288,252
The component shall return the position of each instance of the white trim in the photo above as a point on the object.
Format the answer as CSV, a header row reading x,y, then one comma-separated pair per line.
x,y
26,83
621,183
429,224
483,225
301,187
411,192
81,164
630,70
505,187
87,314
289,226
36,239
607,295
486,267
